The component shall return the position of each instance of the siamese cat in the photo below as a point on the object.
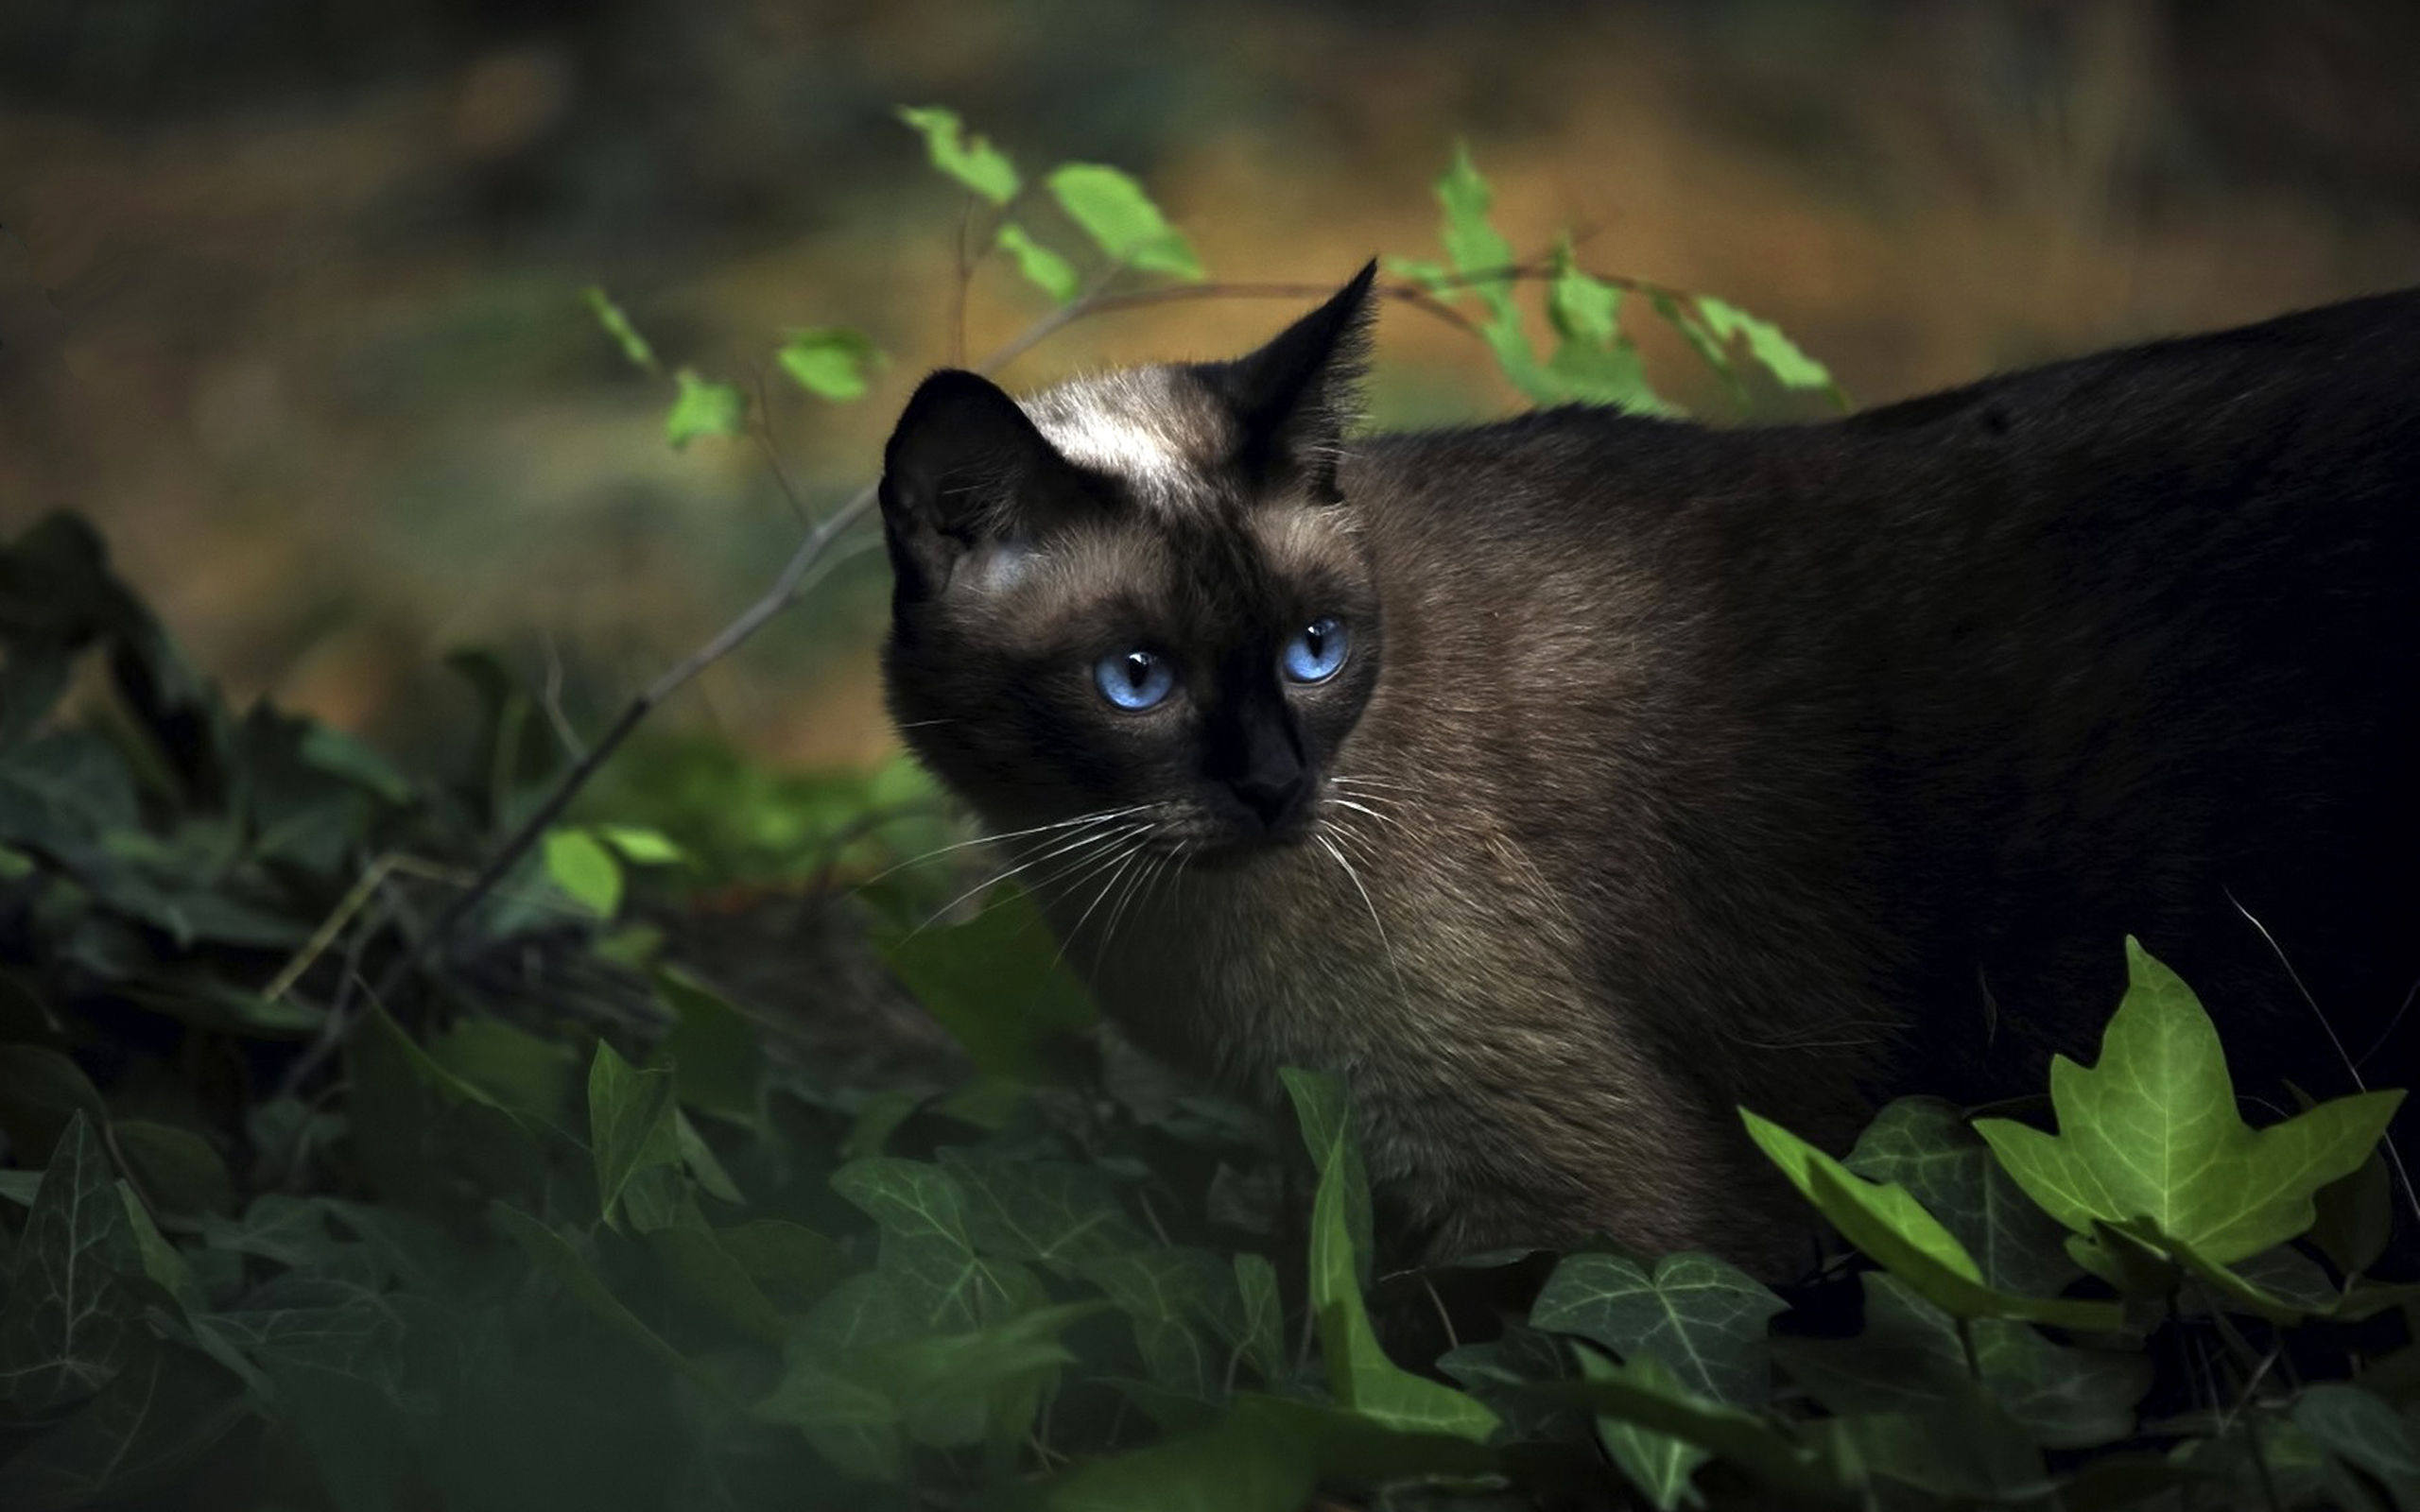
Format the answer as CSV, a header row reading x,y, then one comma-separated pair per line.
x,y
1567,782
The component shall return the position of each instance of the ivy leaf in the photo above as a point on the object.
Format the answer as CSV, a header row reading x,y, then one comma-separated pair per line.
x,y
557,1259
1359,1371
1645,1396
972,161
2356,1216
641,846
1256,1327
703,408
629,1130
927,1260
1657,1463
1702,1318
161,1412
1926,1145
830,362
1055,1214
2150,1134
1121,220
1910,1360
67,1323
1043,268
1162,1291
855,1427
1474,246
2363,1431
585,869
1894,1231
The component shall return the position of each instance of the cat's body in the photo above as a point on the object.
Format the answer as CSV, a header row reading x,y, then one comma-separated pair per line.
x,y
1788,767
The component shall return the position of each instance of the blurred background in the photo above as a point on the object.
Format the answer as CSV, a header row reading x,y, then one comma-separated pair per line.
x,y
291,289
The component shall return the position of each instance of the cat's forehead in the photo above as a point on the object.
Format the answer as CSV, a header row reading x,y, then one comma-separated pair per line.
x,y
1155,429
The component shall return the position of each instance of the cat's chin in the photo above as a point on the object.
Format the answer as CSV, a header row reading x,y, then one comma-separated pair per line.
x,y
1231,853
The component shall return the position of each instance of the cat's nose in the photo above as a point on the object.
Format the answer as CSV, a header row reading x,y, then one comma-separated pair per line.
x,y
1274,796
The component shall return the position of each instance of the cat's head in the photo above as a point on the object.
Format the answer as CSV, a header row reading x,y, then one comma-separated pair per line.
x,y
1141,593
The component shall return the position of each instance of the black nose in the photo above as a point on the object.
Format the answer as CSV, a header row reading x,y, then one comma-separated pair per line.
x,y
1274,795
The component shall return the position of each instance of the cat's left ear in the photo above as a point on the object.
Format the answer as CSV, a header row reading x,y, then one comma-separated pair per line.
x,y
1294,399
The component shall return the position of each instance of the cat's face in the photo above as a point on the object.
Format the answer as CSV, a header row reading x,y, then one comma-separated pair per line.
x,y
1141,595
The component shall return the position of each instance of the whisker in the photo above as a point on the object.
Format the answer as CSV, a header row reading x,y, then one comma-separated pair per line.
x,y
1099,899
1080,842
1402,987
1002,839
1358,808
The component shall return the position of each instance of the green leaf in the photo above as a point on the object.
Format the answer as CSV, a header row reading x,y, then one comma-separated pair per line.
x,y
793,1265
703,408
161,1412
1779,355
340,755
929,1259
585,869
1121,220
1910,1360
67,1323
997,983
1237,1467
1056,1214
1257,1330
2150,1134
701,1270
1702,1318
1472,241
714,1054
1359,1371
41,1093
970,160
527,1073
1894,1231
1321,1107
176,1168
2363,1431
830,362
855,1427
1926,1145
630,1129
1043,268
1162,1291
2356,1216
617,325
1648,1398
557,1259
640,846
1657,1463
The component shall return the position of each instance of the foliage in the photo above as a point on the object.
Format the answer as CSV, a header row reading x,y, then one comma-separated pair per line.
x,y
553,1213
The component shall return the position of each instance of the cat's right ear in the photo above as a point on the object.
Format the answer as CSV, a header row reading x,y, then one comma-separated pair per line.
x,y
958,472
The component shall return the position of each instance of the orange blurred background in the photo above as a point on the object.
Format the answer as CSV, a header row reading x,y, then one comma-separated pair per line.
x,y
291,289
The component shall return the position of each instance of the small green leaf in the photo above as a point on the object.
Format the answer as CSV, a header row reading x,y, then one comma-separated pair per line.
x,y
2152,1135
67,1324
585,869
1894,1229
617,325
1780,356
558,1260
162,1412
1472,240
793,1265
1121,218
178,1169
630,1129
703,408
830,362
1702,1318
1043,268
969,159
2356,1216
639,846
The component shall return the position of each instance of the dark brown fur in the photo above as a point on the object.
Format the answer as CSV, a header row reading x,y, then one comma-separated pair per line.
x,y
1673,769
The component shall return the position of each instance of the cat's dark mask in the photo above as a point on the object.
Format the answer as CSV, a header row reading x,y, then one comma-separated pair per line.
x,y
1141,593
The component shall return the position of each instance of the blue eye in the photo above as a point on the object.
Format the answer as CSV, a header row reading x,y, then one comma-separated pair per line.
x,y
1315,651
1133,680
